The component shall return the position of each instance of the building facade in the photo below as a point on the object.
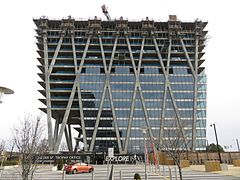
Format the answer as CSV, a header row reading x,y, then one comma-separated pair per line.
x,y
109,80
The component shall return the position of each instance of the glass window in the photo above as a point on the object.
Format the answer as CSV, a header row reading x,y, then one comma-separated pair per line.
x,y
153,95
122,86
182,87
122,113
201,87
153,104
201,123
157,78
178,70
201,95
122,95
150,70
122,78
122,104
122,70
152,86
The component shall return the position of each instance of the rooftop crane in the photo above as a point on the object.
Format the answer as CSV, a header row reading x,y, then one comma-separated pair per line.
x,y
105,11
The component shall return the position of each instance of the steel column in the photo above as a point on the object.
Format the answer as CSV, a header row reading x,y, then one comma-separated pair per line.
x,y
133,100
103,97
136,88
195,97
108,71
194,74
47,89
56,53
79,95
67,139
165,92
68,108
170,90
186,54
56,130
70,136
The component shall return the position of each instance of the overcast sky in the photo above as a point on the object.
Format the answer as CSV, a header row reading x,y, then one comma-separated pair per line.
x,y
18,60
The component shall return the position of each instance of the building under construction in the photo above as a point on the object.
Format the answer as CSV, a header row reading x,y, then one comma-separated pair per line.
x,y
104,80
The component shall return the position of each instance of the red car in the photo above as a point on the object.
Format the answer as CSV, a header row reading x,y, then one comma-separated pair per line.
x,y
78,167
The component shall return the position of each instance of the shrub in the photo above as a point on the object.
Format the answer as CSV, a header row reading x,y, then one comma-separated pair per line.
x,y
60,164
10,163
137,176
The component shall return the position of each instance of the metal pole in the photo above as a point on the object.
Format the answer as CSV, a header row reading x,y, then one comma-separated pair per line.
x,y
120,174
107,167
237,144
92,175
176,175
164,171
145,157
170,172
63,174
219,154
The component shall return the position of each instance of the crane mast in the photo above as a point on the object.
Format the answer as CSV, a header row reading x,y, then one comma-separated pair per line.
x,y
105,12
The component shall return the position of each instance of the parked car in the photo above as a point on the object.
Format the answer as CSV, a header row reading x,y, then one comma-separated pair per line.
x,y
78,167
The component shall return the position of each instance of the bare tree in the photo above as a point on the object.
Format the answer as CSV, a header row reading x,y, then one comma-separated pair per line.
x,y
2,150
2,146
63,147
27,138
43,147
175,146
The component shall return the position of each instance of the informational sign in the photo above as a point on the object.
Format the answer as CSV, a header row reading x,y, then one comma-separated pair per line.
x,y
125,158
110,152
51,158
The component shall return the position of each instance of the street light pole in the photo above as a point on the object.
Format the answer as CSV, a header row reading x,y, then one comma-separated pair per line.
x,y
219,154
3,91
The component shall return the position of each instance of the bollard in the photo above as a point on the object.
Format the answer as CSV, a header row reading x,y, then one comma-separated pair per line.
x,y
170,173
120,174
146,176
159,169
111,175
63,174
1,172
176,175
92,175
164,171
107,169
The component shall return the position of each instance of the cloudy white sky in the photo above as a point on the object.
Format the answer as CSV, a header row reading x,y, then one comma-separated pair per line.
x,y
18,61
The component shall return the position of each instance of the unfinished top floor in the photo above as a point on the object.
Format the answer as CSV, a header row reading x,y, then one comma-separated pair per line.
x,y
121,24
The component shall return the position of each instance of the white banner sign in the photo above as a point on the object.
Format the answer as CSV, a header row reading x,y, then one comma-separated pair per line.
x,y
110,152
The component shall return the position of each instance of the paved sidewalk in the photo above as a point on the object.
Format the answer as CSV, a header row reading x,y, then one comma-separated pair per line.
x,y
232,171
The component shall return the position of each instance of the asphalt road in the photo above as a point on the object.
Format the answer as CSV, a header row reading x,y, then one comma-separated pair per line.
x,y
125,171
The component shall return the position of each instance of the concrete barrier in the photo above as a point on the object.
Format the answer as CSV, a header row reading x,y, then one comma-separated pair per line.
x,y
169,162
54,168
184,163
236,162
9,167
212,166
224,167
